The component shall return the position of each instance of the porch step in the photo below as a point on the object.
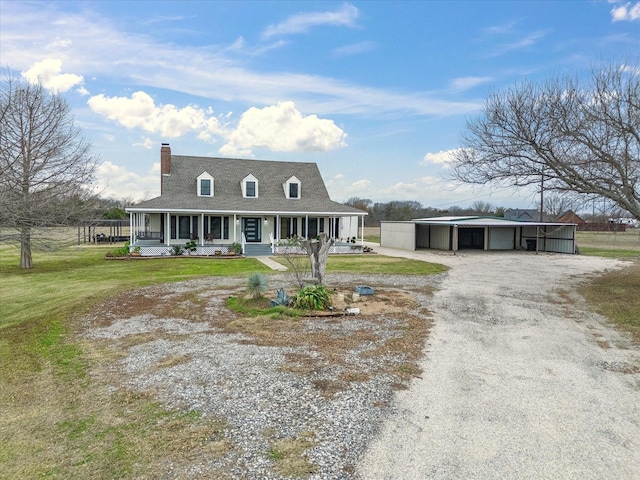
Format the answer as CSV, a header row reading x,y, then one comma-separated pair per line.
x,y
257,250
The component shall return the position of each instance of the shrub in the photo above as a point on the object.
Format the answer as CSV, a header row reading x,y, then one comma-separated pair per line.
x,y
237,248
191,246
176,250
120,252
257,284
312,297
282,299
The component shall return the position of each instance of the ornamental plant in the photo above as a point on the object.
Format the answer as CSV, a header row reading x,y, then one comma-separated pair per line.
x,y
312,297
257,284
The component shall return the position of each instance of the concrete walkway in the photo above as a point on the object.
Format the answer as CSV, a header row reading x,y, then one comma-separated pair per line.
x,y
272,264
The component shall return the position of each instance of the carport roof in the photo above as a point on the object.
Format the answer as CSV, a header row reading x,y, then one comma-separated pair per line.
x,y
478,221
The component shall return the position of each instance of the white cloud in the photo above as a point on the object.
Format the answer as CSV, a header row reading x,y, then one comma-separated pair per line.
x,y
626,12
94,44
354,49
282,128
303,22
630,69
525,42
146,143
360,184
465,83
118,182
48,72
443,157
140,111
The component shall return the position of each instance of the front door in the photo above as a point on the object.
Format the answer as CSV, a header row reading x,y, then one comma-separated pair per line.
x,y
251,229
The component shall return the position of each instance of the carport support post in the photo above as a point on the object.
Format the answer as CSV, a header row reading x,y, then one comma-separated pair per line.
x,y
455,239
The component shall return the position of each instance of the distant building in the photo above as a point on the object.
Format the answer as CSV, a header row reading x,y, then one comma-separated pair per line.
x,y
522,214
570,217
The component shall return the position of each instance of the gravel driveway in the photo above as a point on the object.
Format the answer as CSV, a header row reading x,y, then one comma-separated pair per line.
x,y
520,380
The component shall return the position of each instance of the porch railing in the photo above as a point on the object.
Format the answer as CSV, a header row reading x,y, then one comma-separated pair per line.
x,y
149,236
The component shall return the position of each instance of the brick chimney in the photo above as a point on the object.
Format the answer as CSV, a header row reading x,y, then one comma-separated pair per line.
x,y
165,163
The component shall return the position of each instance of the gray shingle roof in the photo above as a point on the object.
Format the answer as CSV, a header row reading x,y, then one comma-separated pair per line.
x,y
179,190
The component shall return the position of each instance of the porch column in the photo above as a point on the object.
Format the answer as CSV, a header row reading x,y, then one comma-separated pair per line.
x,y
201,230
235,228
141,223
167,227
362,237
306,225
130,228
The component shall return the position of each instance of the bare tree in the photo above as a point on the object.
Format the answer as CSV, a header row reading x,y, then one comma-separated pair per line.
x,y
482,208
559,203
297,264
565,135
359,203
45,164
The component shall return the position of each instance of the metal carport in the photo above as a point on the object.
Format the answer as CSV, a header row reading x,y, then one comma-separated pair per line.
x,y
480,233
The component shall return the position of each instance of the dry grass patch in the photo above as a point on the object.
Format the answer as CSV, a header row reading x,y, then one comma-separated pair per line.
x,y
615,296
390,327
288,456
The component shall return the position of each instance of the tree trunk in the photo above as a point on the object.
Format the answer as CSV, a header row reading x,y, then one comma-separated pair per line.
x,y
318,251
25,248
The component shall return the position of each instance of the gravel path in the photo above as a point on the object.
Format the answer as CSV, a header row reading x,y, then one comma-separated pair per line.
x,y
519,382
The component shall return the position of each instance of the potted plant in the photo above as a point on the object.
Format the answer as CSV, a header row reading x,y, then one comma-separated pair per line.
x,y
235,249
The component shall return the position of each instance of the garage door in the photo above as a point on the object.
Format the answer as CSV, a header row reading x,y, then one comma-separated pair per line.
x,y
471,238
502,238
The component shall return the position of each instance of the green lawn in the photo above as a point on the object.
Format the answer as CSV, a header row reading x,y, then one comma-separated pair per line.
x,y
610,244
66,281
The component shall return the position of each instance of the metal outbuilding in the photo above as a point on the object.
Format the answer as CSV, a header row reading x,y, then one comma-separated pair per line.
x,y
479,233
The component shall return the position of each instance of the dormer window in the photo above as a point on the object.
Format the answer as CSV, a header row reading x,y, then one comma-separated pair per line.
x,y
250,187
205,185
292,188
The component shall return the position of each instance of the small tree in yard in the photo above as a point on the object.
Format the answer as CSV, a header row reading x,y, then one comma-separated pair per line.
x,y
45,164
297,264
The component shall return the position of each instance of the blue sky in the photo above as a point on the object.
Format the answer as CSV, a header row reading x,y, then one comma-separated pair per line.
x,y
376,93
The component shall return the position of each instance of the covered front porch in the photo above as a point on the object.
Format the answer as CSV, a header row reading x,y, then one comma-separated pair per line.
x,y
154,233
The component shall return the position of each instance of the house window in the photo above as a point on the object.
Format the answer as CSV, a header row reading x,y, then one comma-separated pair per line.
x,y
217,228
292,188
184,227
205,185
225,227
288,227
251,189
